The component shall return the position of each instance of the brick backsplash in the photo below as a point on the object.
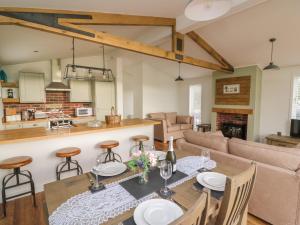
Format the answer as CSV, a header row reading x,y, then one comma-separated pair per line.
x,y
240,119
58,99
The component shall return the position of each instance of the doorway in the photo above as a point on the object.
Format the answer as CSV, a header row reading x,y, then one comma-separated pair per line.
x,y
195,95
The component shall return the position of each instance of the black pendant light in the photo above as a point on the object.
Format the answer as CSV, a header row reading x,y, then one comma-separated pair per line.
x,y
271,65
179,78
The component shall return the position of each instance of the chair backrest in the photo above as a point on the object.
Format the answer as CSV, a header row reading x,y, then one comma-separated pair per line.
x,y
194,215
236,197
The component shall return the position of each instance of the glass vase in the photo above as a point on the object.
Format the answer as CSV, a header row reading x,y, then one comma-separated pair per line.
x,y
144,177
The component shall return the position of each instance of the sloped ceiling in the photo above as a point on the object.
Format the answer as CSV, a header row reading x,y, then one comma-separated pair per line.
x,y
242,38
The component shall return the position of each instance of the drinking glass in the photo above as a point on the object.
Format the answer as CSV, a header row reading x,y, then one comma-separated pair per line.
x,y
165,173
205,158
205,155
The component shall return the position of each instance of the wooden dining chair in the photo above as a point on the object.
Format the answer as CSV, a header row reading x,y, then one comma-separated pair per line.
x,y
237,193
196,215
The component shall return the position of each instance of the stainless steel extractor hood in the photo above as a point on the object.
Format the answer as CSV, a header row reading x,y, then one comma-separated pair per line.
x,y
56,77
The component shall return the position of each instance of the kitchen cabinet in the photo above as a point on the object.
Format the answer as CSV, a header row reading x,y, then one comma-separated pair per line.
x,y
81,91
104,98
32,87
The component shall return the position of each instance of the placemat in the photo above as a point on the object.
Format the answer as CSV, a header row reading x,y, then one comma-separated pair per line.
x,y
129,221
155,183
215,194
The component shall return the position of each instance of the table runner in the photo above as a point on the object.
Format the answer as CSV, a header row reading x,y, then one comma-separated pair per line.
x,y
93,209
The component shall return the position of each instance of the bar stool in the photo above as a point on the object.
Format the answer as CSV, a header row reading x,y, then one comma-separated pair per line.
x,y
110,155
140,139
68,153
16,163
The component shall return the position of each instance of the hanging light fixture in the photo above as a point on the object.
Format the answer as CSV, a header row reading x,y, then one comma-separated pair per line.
x,y
271,65
179,78
203,10
73,58
78,72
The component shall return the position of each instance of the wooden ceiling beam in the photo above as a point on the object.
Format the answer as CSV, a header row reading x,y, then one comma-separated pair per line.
x,y
66,28
99,18
209,49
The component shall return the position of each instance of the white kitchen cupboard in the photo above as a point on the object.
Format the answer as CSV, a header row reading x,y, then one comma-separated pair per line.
x,y
104,98
32,87
81,91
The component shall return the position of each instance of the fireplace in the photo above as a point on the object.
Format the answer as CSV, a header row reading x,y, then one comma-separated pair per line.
x,y
233,125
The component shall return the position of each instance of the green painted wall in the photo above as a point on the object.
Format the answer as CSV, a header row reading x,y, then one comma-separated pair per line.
x,y
255,96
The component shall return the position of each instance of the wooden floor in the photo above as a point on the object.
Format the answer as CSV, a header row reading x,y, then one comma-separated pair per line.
x,y
22,212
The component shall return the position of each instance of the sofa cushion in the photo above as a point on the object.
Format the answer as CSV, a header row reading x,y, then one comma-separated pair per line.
x,y
268,154
175,127
186,126
171,117
215,142
159,115
183,119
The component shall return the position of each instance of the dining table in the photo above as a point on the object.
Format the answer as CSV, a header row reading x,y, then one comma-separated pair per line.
x,y
185,194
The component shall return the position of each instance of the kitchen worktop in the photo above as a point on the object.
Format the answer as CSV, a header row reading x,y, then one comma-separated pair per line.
x,y
38,133
45,120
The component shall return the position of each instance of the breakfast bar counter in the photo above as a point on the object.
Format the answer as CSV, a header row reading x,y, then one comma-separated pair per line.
x,y
42,144
38,133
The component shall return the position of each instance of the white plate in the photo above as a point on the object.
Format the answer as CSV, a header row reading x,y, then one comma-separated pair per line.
x,y
212,180
156,212
109,169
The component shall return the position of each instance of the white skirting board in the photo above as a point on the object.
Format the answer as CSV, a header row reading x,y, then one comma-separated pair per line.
x,y
44,159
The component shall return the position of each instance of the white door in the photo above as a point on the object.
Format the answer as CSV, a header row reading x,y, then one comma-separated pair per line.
x,y
104,94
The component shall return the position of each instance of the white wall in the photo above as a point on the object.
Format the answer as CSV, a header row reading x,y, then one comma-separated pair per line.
x,y
276,100
147,90
12,71
160,91
206,101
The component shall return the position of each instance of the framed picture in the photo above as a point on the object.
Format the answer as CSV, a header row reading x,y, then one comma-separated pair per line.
x,y
231,89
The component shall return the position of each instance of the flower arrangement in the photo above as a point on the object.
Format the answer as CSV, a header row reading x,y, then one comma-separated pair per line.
x,y
142,161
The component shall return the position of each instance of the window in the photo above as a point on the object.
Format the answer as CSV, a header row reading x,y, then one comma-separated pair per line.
x,y
296,99
195,102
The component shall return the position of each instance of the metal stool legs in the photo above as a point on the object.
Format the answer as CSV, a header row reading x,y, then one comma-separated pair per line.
x,y
60,167
111,156
16,174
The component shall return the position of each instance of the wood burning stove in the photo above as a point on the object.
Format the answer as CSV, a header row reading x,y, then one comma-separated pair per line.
x,y
234,130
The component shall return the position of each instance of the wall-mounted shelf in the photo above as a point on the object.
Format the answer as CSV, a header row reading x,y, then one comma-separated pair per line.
x,y
10,85
10,100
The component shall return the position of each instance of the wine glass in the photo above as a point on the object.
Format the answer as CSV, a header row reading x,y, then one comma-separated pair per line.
x,y
165,173
205,154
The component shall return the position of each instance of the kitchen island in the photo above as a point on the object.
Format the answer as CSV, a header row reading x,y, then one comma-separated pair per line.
x,y
41,144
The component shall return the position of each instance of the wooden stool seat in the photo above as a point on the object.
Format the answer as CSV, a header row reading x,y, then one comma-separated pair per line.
x,y
21,177
109,154
109,144
68,152
15,162
139,138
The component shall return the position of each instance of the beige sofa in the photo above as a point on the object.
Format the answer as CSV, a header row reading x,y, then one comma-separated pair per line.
x,y
171,124
276,194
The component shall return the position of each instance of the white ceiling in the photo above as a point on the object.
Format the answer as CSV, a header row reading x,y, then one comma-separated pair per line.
x,y
241,36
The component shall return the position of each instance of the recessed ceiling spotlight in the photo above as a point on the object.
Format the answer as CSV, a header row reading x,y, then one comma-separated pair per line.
x,y
35,51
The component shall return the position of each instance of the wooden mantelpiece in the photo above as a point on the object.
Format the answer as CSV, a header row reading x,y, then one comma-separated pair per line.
x,y
233,111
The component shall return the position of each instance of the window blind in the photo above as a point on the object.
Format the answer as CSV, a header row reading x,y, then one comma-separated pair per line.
x,y
296,99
